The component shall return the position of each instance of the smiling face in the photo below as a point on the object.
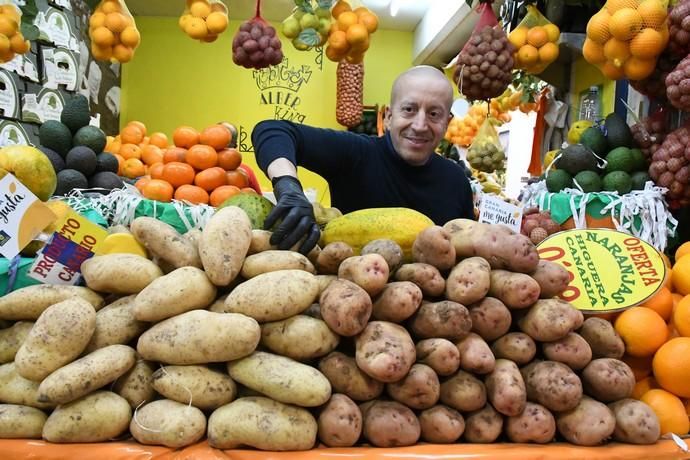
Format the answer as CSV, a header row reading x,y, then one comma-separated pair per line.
x,y
419,113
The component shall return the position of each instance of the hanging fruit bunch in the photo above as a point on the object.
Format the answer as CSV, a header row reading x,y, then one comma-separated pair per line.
x,y
462,130
678,85
350,34
256,45
113,32
350,91
654,86
11,39
536,41
670,166
204,20
309,24
679,29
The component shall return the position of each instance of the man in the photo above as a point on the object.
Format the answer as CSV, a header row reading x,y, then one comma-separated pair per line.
x,y
399,169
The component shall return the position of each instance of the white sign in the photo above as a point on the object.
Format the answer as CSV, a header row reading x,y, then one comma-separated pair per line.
x,y
494,210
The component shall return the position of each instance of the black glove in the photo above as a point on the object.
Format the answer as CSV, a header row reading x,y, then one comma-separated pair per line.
x,y
297,214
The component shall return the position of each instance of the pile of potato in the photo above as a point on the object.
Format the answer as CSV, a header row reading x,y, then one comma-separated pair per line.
x,y
221,335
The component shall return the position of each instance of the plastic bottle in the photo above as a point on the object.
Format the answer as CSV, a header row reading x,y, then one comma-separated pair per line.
x,y
589,106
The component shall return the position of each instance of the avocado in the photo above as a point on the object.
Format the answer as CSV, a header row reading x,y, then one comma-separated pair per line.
x,y
56,160
105,180
82,159
557,180
107,162
618,181
56,136
91,137
620,159
76,113
576,158
595,140
639,160
69,179
639,179
617,131
589,181
256,206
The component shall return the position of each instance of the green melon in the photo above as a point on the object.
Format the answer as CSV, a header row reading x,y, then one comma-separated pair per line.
x,y
256,206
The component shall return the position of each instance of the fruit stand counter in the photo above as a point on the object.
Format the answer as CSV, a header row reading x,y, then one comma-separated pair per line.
x,y
17,449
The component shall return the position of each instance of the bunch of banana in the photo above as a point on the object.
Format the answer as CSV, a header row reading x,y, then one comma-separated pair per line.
x,y
508,101
489,182
324,215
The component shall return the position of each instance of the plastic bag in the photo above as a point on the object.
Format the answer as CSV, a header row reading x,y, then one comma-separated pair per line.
x,y
350,35
309,24
350,91
484,65
486,152
536,41
17,43
256,45
113,32
204,20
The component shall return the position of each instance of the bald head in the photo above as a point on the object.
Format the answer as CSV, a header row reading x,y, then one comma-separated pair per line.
x,y
422,75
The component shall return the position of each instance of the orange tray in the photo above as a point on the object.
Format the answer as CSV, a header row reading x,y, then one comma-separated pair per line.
x,y
17,449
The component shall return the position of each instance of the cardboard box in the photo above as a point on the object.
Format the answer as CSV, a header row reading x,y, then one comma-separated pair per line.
x,y
16,133
60,68
12,88
57,27
40,104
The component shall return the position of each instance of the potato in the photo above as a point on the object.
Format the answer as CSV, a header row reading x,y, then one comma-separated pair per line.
x,y
345,377
331,256
505,388
272,260
345,307
182,290
370,272
260,241
476,356
168,423
116,324
119,273
324,281
419,389
224,244
390,424
388,249
282,379
165,243
552,278
483,426
11,339
433,246
196,385
263,424
440,354
15,389
445,319
300,337
550,319
608,379
461,231
441,425
274,296
588,424
463,392
385,351
398,301
29,302
340,422
491,319
468,282
602,338
97,417
534,424
135,384
515,290
553,385
21,422
636,422
571,350
515,346
426,276
200,337
60,334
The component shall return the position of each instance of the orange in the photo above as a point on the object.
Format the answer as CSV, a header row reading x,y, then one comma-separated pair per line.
x,y
648,44
229,159
661,302
122,53
681,316
159,139
527,55
518,37
132,134
130,37
195,27
238,178
222,193
614,5
192,194
97,19
141,182
669,409
676,298
217,22
347,19
133,168
156,171
138,124
339,8
537,36
101,53
102,36
612,72
616,51
200,9
680,275
338,41
356,34
11,11
666,260
151,154
369,20
185,136
653,13
672,366
116,22
130,151
178,174
625,23
682,250
598,27
553,32
110,6
216,136
642,330
248,190
8,26
158,190
202,156
174,154
211,178
548,52
643,386
5,48
641,367
183,21
334,55
593,52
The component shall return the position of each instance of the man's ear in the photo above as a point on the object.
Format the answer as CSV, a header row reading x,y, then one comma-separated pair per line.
x,y
387,118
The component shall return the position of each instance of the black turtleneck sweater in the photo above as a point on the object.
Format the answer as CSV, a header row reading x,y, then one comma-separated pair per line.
x,y
366,171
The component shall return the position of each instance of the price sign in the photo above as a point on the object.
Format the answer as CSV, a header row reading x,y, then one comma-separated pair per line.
x,y
494,210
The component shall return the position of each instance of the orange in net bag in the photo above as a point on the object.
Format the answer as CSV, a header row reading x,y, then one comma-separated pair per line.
x,y
12,41
204,20
113,32
350,35
625,38
536,40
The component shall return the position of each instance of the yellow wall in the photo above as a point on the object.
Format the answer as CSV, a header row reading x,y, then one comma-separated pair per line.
x,y
174,80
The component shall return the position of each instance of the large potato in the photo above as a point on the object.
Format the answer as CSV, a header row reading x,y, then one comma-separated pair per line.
x,y
165,243
196,385
419,389
86,374
331,256
553,385
22,422
97,417
440,354
345,377
608,379
461,232
483,426
116,324
463,392
168,423
15,389
12,338
370,272
324,281
200,337
274,296
552,278
182,290
602,338
636,422
345,307
550,319
135,385
340,422
262,423
515,346
385,351
588,424
390,424
491,319
119,273
476,356
261,241
505,388
29,302
445,319
398,301
433,246
60,334
572,350
441,425
282,379
534,424
388,249
426,276
300,337
272,260
224,244
515,290
469,281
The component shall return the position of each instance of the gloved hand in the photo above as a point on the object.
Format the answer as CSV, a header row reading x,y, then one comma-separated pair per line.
x,y
297,214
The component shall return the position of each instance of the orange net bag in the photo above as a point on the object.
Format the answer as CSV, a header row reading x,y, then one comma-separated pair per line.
x,y
113,32
204,20
15,42
536,40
